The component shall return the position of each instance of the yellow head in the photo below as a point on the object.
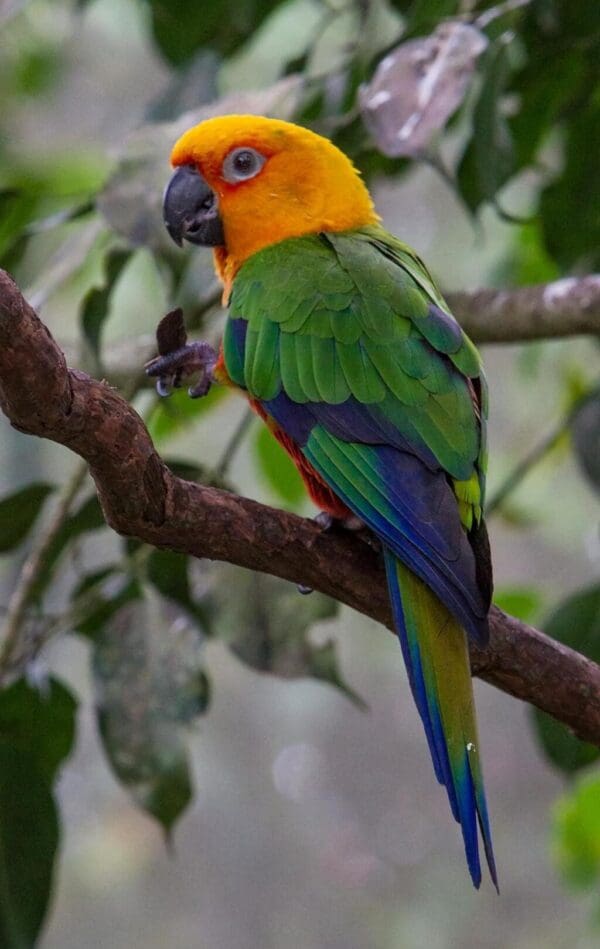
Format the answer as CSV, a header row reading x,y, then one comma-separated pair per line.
x,y
244,182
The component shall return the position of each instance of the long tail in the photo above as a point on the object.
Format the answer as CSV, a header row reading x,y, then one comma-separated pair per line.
x,y
436,656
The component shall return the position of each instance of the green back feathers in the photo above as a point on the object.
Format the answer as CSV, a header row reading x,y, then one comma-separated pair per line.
x,y
356,314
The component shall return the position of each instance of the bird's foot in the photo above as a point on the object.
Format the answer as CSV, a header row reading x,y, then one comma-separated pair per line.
x,y
178,359
304,590
328,522
171,370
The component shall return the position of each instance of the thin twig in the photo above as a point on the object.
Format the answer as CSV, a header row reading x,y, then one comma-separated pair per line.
x,y
222,467
488,16
536,454
33,566
524,466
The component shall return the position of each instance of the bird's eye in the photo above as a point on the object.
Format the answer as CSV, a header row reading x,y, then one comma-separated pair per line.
x,y
242,164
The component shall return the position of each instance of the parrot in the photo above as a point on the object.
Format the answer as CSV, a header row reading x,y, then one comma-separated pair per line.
x,y
341,341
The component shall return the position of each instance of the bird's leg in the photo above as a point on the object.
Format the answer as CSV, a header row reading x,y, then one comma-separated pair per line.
x,y
327,522
178,359
171,369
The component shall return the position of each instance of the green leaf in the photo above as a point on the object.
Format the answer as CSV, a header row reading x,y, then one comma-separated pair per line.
x,y
266,623
18,207
88,517
423,15
585,429
18,513
99,596
170,416
167,570
39,722
181,28
38,70
577,624
277,467
489,160
150,683
523,602
95,305
28,840
34,192
527,261
544,94
576,833
569,205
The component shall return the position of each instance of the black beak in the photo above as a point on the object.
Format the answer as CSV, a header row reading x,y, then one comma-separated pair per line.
x,y
191,210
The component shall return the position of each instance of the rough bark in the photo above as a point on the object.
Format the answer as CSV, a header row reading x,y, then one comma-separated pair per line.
x,y
141,498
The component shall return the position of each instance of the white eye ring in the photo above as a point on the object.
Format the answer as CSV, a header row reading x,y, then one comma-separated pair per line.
x,y
241,164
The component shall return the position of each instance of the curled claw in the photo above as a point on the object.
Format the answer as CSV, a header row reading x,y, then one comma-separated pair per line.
x,y
202,387
327,522
163,388
188,360
177,359
324,520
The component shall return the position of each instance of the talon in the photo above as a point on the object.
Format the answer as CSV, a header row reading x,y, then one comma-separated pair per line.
x,y
163,388
324,520
352,523
201,388
173,367
304,590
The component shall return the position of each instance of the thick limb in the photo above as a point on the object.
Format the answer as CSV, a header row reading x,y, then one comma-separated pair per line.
x,y
328,522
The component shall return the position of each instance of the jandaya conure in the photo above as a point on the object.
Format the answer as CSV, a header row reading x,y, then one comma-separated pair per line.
x,y
343,344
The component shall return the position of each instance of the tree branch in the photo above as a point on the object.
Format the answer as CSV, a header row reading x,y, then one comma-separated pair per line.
x,y
548,311
141,498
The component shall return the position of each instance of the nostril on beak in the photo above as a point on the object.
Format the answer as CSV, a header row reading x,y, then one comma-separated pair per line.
x,y
207,203
191,209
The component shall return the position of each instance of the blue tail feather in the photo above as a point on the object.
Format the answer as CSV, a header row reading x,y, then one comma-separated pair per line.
x,y
456,769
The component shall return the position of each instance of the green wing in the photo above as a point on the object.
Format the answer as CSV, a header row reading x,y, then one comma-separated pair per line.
x,y
332,317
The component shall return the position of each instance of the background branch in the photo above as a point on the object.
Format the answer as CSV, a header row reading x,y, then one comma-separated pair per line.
x,y
31,569
140,497
566,307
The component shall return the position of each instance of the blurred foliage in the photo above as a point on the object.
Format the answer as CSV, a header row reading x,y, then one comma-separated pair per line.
x,y
524,99
18,513
36,735
575,623
523,602
149,683
277,468
577,833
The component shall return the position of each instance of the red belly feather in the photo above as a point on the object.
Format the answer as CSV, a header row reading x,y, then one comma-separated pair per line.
x,y
319,491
